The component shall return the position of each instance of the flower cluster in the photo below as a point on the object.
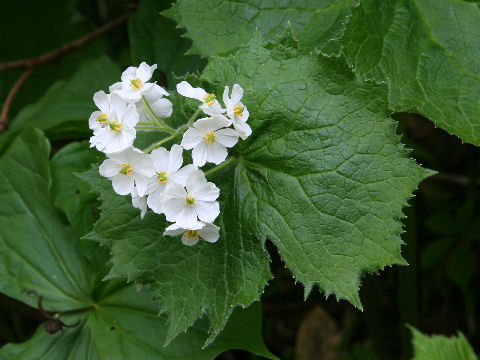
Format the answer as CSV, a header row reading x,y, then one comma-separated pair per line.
x,y
156,178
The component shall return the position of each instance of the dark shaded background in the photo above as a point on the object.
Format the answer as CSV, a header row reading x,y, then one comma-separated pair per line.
x,y
437,293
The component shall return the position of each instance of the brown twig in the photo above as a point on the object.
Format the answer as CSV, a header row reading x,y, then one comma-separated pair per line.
x,y
31,64
8,101
65,49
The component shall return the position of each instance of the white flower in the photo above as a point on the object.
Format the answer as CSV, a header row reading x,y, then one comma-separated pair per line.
x,y
236,111
183,206
167,171
192,235
127,169
139,202
134,82
117,126
209,141
210,105
106,103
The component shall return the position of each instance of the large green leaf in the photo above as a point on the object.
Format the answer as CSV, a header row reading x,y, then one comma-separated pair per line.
x,y
71,194
438,347
323,175
65,108
428,51
41,256
155,39
315,22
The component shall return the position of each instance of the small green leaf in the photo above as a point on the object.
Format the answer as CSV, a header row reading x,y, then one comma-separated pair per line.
x,y
314,22
66,106
438,347
156,40
428,52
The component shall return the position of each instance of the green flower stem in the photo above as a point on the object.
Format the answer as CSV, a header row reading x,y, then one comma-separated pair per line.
x,y
160,122
218,167
190,121
157,144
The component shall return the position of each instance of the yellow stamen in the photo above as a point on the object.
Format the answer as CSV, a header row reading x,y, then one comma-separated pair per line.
x,y
210,137
238,110
189,200
126,169
115,126
162,177
102,119
192,234
136,83
209,99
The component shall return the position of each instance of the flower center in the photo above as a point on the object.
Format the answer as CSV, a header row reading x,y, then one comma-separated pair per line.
x,y
102,119
210,137
162,177
115,126
209,99
192,234
126,169
238,110
136,83
189,200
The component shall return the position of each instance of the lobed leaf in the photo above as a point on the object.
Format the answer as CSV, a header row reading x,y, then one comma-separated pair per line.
x,y
324,176
42,256
428,52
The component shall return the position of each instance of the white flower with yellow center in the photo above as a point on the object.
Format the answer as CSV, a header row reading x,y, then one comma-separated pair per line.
x,y
134,83
236,111
209,140
128,169
185,205
167,171
116,130
139,202
210,105
192,235
106,103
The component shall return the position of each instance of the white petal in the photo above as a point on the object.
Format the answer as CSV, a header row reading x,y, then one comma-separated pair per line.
x,y
243,129
191,138
139,203
123,184
211,124
163,108
160,158
175,192
226,98
180,176
155,92
209,232
130,117
212,110
185,89
129,94
144,72
173,208
115,87
216,153
207,210
92,121
237,93
155,202
175,158
129,74
102,100
245,113
119,108
188,241
200,154
227,137
109,168
174,230
188,217
205,191
140,183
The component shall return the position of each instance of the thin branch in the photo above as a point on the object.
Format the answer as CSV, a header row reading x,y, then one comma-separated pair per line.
x,y
65,49
8,101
